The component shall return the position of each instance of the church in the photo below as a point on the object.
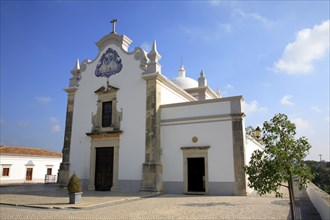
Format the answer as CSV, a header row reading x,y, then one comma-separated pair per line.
x,y
129,128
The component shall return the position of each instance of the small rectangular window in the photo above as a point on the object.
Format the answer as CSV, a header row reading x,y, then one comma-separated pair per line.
x,y
49,171
106,114
5,171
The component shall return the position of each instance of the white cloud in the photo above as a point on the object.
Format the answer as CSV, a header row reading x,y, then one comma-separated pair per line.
x,y
252,107
146,46
265,21
310,45
43,99
316,109
55,126
286,100
300,123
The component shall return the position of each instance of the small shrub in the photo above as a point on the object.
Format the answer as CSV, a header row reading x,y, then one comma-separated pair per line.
x,y
74,184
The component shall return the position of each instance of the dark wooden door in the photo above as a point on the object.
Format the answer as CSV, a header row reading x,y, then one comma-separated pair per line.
x,y
196,174
104,168
29,173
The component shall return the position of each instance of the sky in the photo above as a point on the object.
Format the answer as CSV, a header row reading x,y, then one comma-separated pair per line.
x,y
274,53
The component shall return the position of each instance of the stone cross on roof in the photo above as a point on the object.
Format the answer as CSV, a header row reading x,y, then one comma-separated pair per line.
x,y
114,25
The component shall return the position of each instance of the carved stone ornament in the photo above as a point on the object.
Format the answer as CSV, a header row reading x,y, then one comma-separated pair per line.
x,y
194,139
109,64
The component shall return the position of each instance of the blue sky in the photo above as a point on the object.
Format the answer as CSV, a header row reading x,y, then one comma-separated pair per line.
x,y
274,53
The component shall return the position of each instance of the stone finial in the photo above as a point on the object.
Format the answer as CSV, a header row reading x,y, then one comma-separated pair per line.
x,y
154,47
218,93
153,66
153,55
182,71
77,67
76,75
202,80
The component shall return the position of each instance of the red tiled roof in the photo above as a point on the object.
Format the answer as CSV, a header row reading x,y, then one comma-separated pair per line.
x,y
11,150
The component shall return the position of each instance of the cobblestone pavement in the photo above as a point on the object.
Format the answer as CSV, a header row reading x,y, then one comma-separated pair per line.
x,y
166,206
59,199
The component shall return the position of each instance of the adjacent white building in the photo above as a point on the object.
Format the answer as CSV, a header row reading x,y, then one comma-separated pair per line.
x,y
28,165
129,128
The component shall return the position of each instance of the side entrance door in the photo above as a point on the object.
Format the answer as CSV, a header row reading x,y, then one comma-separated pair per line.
x,y
28,173
196,174
104,168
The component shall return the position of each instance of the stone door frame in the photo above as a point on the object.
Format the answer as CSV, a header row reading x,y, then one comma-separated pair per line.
x,y
104,141
195,152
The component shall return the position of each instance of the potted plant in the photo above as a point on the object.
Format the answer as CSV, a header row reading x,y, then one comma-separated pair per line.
x,y
74,189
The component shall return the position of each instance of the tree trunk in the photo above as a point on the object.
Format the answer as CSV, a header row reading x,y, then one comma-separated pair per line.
x,y
292,203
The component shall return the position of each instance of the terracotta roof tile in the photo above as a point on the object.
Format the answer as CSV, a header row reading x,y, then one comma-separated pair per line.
x,y
11,150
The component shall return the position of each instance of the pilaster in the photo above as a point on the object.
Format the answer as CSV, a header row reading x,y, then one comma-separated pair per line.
x,y
152,169
63,173
239,152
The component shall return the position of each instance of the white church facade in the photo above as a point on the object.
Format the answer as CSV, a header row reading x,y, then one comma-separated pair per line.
x,y
130,129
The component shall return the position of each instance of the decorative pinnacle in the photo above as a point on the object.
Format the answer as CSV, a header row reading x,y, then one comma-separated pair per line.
x,y
182,71
153,55
154,47
202,73
77,65
113,22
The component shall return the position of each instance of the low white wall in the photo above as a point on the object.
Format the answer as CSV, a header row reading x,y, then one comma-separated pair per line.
x,y
18,164
320,200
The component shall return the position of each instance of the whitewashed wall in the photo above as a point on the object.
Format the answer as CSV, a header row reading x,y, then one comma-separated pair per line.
x,y
169,96
217,135
131,98
195,109
210,122
17,172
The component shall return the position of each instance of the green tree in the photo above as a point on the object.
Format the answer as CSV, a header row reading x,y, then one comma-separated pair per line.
x,y
281,160
321,173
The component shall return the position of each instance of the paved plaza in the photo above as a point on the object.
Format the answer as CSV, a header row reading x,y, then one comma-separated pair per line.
x,y
53,204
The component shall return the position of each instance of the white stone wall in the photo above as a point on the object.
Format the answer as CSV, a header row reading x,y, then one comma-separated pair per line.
x,y
217,135
210,122
169,96
131,98
18,166
195,109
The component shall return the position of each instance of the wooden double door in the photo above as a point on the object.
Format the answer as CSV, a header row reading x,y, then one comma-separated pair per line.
x,y
104,168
